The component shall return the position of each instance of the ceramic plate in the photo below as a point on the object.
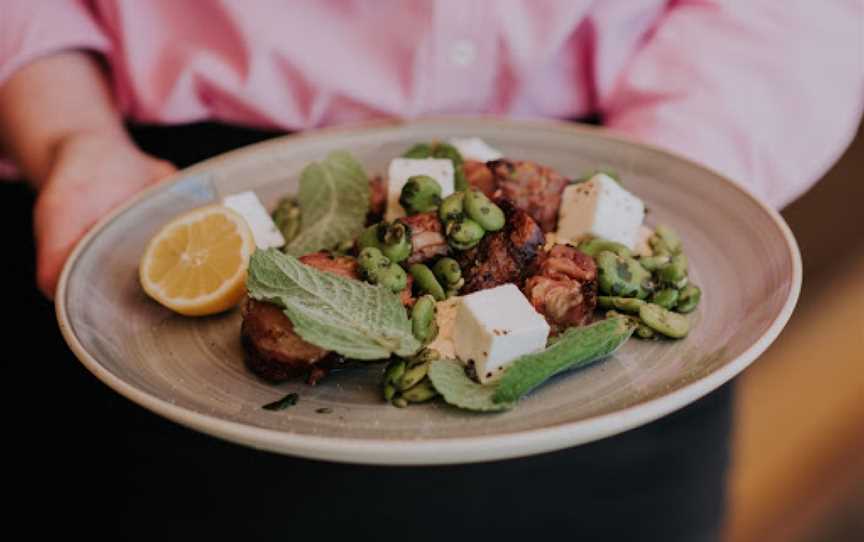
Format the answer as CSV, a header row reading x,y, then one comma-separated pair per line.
x,y
191,370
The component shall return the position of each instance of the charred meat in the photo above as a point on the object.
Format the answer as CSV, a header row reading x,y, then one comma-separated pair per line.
x,y
427,237
340,265
273,350
532,187
564,288
377,199
504,256
479,176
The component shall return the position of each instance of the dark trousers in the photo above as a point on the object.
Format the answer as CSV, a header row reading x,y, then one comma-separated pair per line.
x,y
87,451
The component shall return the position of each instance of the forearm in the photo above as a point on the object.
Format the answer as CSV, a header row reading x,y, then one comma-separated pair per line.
x,y
49,101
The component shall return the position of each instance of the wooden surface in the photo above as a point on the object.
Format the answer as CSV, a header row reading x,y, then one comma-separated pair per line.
x,y
798,472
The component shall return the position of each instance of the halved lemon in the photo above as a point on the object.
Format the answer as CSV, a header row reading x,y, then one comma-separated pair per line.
x,y
196,264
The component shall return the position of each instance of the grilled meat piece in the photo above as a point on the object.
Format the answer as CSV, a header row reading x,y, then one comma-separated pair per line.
x,y
479,176
340,265
377,200
504,256
427,236
532,187
273,350
564,288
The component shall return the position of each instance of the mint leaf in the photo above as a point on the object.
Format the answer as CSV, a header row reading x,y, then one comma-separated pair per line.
x,y
576,347
453,384
353,318
334,200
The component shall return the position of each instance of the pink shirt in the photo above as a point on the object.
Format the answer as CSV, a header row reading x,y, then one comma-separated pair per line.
x,y
766,91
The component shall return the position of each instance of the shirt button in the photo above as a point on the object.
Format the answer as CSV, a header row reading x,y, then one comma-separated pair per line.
x,y
463,53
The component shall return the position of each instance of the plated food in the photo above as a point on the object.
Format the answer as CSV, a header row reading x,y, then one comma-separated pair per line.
x,y
191,370
474,276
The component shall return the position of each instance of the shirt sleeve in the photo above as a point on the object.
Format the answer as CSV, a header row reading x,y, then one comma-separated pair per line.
x,y
769,93
31,29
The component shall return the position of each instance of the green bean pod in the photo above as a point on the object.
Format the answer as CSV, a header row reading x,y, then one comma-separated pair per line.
x,y
438,149
426,282
392,239
452,208
621,276
653,263
625,304
464,233
392,374
644,332
377,269
663,321
659,247
394,278
593,247
448,272
688,298
675,271
413,375
483,211
421,392
420,194
666,298
453,290
395,241
420,150
372,261
423,321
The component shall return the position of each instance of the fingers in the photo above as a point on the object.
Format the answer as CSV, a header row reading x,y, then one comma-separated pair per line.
x,y
58,224
49,266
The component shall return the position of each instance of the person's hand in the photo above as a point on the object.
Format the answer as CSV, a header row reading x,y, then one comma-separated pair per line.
x,y
90,175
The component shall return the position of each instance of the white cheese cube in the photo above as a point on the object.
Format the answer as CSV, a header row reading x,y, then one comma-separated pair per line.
x,y
474,148
494,327
602,208
445,317
402,169
264,230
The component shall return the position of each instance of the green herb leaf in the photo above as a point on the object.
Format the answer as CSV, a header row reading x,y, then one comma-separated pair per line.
x,y
453,384
334,200
576,347
350,317
287,401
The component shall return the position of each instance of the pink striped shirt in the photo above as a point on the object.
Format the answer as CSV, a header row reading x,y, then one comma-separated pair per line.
x,y
768,92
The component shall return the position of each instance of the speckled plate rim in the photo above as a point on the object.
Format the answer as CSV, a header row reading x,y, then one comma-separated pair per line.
x,y
445,450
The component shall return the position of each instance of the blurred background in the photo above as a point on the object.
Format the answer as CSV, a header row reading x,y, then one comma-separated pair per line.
x,y
798,472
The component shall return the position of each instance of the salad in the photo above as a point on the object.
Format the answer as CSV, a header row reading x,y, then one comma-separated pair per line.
x,y
465,275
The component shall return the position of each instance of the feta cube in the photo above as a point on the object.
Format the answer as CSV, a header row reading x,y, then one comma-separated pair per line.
x,y
264,230
474,148
494,327
602,208
401,169
445,317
